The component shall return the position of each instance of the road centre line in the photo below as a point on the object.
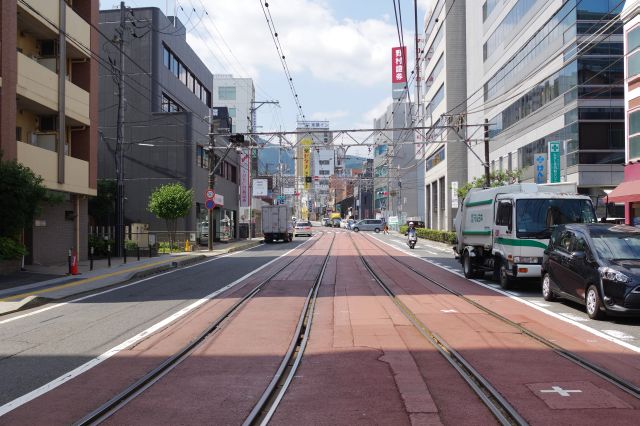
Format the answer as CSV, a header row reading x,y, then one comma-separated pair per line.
x,y
534,306
30,396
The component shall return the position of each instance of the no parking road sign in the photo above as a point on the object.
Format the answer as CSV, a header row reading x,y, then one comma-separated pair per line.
x,y
209,194
210,204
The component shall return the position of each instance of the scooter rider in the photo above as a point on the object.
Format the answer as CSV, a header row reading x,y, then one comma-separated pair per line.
x,y
411,235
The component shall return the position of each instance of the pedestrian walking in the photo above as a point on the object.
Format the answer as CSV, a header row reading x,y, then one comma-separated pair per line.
x,y
386,228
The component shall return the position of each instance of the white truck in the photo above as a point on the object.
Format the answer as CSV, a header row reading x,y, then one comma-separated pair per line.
x,y
276,223
505,230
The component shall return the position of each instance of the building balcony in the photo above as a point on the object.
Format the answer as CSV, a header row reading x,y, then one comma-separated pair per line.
x,y
44,162
45,14
39,84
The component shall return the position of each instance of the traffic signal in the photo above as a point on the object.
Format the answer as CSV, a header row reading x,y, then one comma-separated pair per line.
x,y
307,179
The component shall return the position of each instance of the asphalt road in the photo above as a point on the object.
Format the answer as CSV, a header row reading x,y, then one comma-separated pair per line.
x,y
623,329
38,348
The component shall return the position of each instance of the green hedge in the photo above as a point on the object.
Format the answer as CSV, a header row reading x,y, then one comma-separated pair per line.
x,y
11,249
448,237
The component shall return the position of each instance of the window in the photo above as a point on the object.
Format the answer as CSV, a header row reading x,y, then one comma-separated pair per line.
x,y
565,241
174,65
227,93
536,217
232,112
634,135
324,172
504,214
166,57
19,134
441,188
633,39
199,155
233,174
169,105
633,64
183,74
324,162
190,81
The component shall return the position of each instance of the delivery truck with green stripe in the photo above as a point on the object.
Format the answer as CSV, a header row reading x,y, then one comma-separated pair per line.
x,y
505,230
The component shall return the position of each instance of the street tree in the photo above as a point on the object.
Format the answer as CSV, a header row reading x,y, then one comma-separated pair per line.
x,y
21,194
171,202
496,178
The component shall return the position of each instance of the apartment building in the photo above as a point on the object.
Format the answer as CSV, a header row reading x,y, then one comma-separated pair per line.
x,y
49,113
444,157
628,192
548,71
168,92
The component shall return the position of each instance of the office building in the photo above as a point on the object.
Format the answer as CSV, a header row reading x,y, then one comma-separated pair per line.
x,y
548,71
168,91
443,160
394,164
628,192
49,114
309,204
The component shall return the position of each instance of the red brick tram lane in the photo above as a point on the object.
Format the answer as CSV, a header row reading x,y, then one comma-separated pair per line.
x,y
543,386
215,371
365,363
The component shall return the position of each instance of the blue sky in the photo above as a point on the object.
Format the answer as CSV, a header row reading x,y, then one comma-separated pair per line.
x,y
338,52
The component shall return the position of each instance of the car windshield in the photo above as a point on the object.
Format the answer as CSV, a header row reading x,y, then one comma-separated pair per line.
x,y
536,217
303,224
613,246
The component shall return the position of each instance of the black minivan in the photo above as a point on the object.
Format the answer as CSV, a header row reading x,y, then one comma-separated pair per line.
x,y
597,265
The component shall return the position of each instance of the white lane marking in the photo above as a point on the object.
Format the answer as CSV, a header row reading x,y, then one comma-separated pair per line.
x,y
618,334
574,317
575,323
541,304
449,311
58,305
12,405
560,391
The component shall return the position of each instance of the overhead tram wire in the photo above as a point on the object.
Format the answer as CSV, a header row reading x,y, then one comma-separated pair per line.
x,y
281,55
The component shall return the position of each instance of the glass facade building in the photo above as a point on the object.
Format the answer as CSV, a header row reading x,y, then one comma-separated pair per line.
x,y
585,92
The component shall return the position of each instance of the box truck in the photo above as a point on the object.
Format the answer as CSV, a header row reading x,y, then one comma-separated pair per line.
x,y
505,230
276,224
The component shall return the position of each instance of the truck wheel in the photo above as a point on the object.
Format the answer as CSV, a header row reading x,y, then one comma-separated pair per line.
x,y
506,282
467,266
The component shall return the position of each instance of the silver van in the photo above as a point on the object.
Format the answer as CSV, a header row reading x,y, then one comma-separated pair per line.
x,y
374,225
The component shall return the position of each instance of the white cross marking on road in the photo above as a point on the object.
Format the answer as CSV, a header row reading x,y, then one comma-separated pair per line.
x,y
560,391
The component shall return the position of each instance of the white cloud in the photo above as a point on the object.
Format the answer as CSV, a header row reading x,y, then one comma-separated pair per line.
x,y
313,40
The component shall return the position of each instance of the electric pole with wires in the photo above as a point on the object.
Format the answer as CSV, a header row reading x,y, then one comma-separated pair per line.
x,y
120,196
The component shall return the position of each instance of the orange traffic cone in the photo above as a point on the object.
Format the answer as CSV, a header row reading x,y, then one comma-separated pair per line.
x,y
74,263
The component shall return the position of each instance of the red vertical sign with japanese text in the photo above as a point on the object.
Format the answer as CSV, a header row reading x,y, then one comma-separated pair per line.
x,y
399,64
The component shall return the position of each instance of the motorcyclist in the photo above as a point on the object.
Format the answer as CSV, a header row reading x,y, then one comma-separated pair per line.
x,y
411,229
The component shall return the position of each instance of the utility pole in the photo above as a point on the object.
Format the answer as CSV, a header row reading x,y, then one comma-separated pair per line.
x,y
487,173
212,179
120,139
415,21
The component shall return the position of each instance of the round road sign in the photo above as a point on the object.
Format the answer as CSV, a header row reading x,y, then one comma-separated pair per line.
x,y
210,204
210,194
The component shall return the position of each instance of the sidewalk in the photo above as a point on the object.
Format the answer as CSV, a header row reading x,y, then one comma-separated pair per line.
x,y
43,284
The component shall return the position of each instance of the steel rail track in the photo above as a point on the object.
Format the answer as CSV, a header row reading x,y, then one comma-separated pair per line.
x,y
273,394
504,412
629,387
110,407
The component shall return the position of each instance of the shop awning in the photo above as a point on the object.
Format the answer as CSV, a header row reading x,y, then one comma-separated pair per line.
x,y
627,191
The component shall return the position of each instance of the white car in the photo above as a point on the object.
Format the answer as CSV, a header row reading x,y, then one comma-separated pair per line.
x,y
303,228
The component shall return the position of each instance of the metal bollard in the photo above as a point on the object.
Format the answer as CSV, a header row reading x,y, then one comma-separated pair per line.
x,y
69,260
124,253
109,255
91,258
138,252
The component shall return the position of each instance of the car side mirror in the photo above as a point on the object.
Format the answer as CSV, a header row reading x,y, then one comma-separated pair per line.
x,y
579,255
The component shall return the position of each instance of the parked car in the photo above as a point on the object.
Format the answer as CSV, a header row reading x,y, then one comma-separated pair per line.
x,y
326,221
597,265
336,222
303,228
374,225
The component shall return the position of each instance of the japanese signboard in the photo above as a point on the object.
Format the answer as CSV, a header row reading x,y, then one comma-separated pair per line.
x,y
454,194
245,165
399,64
306,161
540,168
554,161
260,188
